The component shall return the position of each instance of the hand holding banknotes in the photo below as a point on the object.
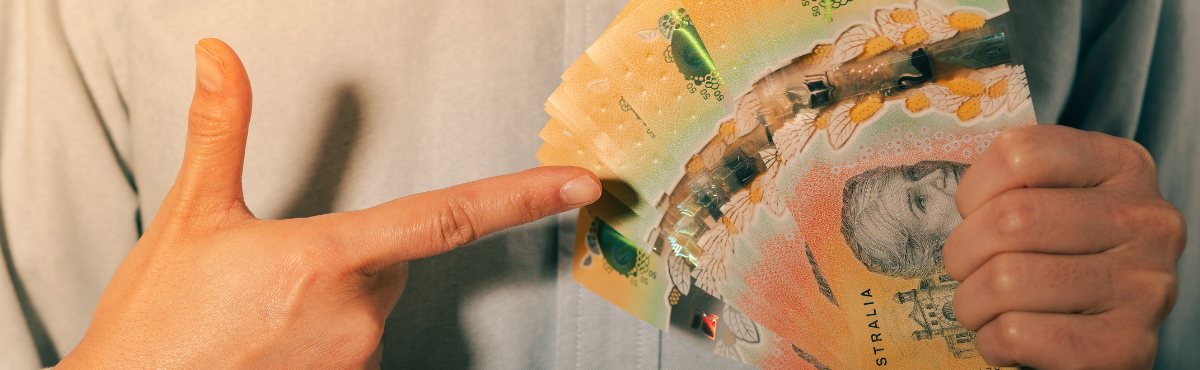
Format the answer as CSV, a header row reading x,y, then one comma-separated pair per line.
x,y
211,286
1066,252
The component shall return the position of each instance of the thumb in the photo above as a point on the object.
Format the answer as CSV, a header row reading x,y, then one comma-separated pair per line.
x,y
211,174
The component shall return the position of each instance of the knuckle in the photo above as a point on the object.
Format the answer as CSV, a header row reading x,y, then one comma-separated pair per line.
x,y
992,353
365,339
1007,332
327,243
1000,341
1158,220
456,224
1160,291
529,204
336,232
1018,146
357,350
373,330
1015,216
314,241
1174,228
209,122
1128,348
1004,272
1016,137
1134,155
353,344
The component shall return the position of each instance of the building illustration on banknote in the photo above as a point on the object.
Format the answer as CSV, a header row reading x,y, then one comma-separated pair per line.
x,y
933,312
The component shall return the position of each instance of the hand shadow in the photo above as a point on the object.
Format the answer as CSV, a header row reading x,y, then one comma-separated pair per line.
x,y
425,329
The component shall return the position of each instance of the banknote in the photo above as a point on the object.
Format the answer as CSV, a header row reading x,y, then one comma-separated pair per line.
x,y
663,50
655,52
875,237
841,281
584,82
609,205
667,111
811,206
561,149
637,281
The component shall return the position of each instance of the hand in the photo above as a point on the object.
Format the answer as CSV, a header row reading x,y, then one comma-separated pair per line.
x,y
1066,252
211,286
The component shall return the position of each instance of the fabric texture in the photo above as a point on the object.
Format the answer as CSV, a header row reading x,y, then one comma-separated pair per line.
x,y
359,102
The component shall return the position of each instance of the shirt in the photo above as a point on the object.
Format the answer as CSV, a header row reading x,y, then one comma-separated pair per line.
x,y
360,102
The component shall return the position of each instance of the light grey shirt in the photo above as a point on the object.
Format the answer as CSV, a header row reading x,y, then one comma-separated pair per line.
x,y
359,102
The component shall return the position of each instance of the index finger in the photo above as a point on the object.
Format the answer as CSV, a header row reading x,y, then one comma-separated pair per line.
x,y
1053,157
431,223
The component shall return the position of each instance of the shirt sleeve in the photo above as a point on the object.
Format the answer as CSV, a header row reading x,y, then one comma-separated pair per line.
x,y
68,209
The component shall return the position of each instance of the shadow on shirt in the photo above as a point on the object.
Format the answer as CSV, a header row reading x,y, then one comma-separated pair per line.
x,y
425,329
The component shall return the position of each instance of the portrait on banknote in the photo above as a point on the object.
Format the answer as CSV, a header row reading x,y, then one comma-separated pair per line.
x,y
896,218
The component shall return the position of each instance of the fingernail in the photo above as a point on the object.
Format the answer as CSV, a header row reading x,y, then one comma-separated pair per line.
x,y
580,191
209,72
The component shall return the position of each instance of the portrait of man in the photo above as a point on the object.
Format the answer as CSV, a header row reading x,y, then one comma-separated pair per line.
x,y
896,219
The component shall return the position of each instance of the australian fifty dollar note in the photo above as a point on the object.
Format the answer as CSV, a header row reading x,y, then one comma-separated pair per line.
x,y
797,204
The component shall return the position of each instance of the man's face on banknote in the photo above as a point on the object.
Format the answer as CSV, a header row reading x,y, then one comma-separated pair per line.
x,y
896,219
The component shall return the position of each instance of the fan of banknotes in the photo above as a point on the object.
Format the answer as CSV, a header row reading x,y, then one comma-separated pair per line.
x,y
779,175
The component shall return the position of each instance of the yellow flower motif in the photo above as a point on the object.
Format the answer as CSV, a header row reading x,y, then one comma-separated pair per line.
x,y
969,109
756,195
695,165
822,121
914,36
875,46
819,55
964,21
823,50
999,88
733,229
917,102
964,86
906,16
728,128
865,109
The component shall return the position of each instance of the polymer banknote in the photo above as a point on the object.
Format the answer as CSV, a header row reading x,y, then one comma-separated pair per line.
x,y
786,171
650,94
